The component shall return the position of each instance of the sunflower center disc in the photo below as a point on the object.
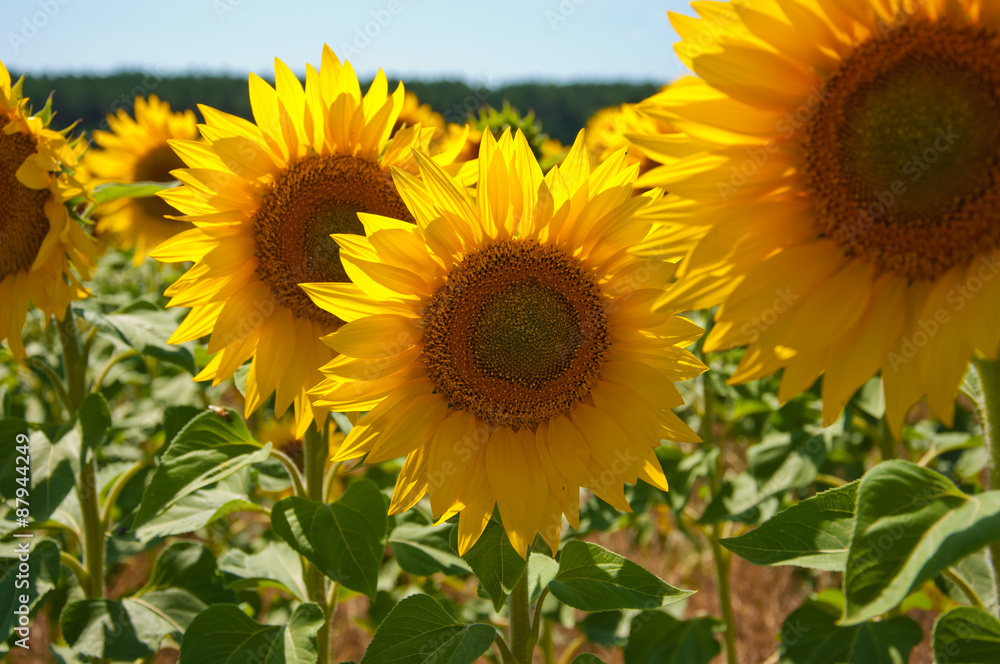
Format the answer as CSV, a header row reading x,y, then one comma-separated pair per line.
x,y
23,224
155,166
314,198
517,334
903,156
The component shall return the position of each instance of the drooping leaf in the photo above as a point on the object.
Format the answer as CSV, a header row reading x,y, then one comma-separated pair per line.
x,y
495,562
191,566
145,331
967,635
659,638
911,523
274,566
811,635
211,447
131,628
345,539
223,634
591,578
424,550
420,631
814,533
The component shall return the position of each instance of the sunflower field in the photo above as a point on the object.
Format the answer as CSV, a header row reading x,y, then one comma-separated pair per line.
x,y
345,381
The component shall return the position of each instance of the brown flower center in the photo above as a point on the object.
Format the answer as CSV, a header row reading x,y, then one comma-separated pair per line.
x,y
517,334
155,166
23,224
314,198
903,155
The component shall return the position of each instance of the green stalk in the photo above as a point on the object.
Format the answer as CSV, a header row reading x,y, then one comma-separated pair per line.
x,y
75,364
315,453
521,641
989,415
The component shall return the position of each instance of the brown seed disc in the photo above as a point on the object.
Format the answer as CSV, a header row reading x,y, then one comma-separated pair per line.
x,y
314,198
517,334
23,224
903,154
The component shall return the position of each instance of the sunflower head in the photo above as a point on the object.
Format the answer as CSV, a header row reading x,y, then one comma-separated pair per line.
x,y
609,129
39,241
505,342
839,173
136,150
264,199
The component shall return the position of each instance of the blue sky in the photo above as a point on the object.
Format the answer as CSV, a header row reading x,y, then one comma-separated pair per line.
x,y
481,43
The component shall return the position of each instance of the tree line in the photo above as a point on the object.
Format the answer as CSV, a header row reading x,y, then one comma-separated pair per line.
x,y
562,109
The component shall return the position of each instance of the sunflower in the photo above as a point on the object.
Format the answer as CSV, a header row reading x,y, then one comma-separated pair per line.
x,y
39,241
414,113
264,199
506,342
608,128
137,151
840,170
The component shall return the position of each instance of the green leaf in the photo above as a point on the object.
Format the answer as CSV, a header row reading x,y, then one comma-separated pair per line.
x,y
977,571
145,331
814,533
967,635
810,635
494,561
54,468
274,566
212,446
10,429
344,539
587,658
591,578
131,628
659,638
605,628
223,634
94,421
911,523
115,190
424,550
191,566
786,461
197,510
42,576
420,631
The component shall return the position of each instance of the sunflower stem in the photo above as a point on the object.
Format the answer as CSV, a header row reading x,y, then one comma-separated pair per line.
x,y
521,636
989,416
75,365
316,451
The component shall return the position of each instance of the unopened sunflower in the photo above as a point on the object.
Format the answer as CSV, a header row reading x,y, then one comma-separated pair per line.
x,y
264,198
506,342
841,168
39,241
136,150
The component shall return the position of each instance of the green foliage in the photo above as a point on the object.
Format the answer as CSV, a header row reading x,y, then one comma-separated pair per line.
x,y
967,635
344,539
495,562
658,638
223,634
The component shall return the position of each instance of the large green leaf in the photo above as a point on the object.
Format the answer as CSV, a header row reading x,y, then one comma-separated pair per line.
x,y
55,466
494,561
977,571
223,634
813,533
197,510
967,635
191,566
425,549
591,578
419,631
42,576
145,330
810,635
274,566
658,638
911,523
211,447
131,628
345,540
10,429
94,420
